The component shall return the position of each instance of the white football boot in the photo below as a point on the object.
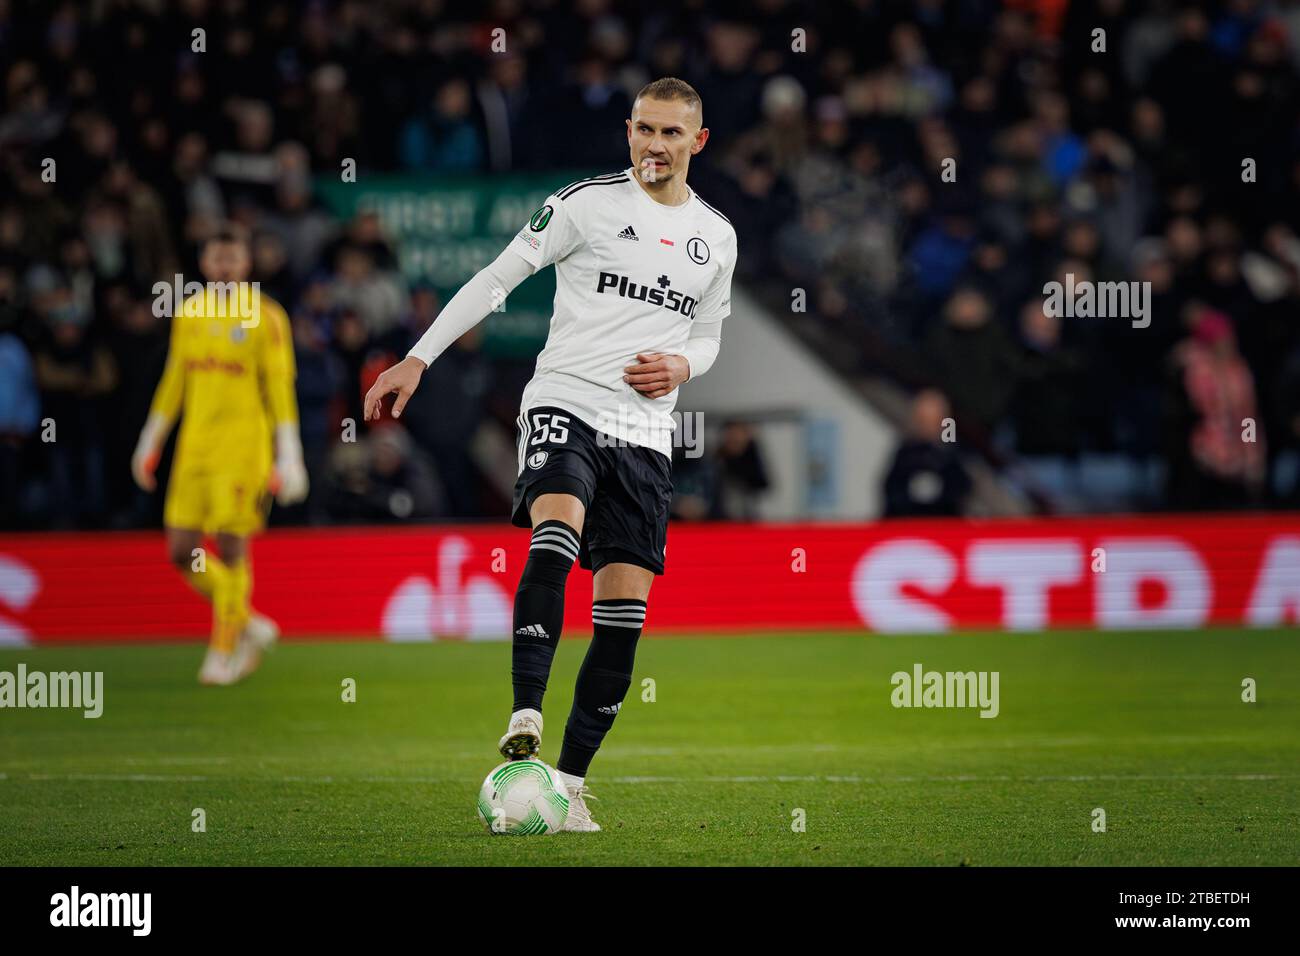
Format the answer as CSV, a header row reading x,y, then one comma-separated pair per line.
x,y
261,630
245,659
579,819
217,670
523,738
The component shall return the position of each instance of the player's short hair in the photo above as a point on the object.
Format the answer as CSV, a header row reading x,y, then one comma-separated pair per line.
x,y
230,232
671,88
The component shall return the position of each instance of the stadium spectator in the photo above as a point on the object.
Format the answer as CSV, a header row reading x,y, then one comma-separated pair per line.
x,y
448,409
19,403
304,229
320,380
695,486
1218,457
741,474
352,344
927,477
1049,390
76,373
975,359
137,339
446,139
383,480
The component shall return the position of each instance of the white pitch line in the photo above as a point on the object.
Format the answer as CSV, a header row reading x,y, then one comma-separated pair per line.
x,y
964,778
863,753
115,777
830,778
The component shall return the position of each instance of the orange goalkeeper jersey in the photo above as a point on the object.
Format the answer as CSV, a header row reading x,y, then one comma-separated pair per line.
x,y
230,371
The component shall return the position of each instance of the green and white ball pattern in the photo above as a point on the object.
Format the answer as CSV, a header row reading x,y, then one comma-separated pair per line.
x,y
523,797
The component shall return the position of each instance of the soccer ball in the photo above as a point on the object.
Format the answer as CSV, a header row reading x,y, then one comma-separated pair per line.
x,y
523,797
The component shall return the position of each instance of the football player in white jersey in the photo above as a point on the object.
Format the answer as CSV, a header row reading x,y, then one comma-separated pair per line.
x,y
643,282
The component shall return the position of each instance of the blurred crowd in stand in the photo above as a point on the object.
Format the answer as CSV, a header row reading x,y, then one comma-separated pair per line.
x,y
920,170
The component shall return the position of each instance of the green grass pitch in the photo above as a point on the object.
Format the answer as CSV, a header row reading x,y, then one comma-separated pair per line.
x,y
1150,727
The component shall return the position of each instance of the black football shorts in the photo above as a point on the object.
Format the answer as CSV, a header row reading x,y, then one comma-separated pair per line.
x,y
625,489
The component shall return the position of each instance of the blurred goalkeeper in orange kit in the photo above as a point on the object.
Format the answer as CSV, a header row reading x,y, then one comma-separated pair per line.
x,y
230,367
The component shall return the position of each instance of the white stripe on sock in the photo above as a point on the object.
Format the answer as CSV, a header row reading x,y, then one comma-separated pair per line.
x,y
619,611
556,534
543,546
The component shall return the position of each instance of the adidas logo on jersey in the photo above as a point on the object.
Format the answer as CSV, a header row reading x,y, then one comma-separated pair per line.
x,y
629,233
533,630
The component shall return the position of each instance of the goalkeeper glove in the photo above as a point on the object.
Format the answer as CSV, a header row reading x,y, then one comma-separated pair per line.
x,y
144,461
289,476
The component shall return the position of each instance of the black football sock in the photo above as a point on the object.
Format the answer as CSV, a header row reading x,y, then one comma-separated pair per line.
x,y
539,610
603,681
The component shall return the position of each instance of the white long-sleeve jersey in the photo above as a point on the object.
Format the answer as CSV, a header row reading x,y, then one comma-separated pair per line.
x,y
632,276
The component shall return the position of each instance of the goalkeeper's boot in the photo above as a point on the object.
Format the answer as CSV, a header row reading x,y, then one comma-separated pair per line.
x,y
245,659
523,738
579,819
261,631
217,670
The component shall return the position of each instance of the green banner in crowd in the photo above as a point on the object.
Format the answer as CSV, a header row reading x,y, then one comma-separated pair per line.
x,y
446,228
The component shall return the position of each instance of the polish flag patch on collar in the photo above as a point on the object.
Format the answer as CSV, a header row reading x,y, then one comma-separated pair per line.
x,y
666,242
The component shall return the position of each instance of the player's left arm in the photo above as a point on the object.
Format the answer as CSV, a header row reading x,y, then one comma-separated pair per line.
x,y
278,371
656,374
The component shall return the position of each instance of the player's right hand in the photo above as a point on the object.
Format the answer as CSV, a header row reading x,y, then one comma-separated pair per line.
x,y
402,378
143,465
144,460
